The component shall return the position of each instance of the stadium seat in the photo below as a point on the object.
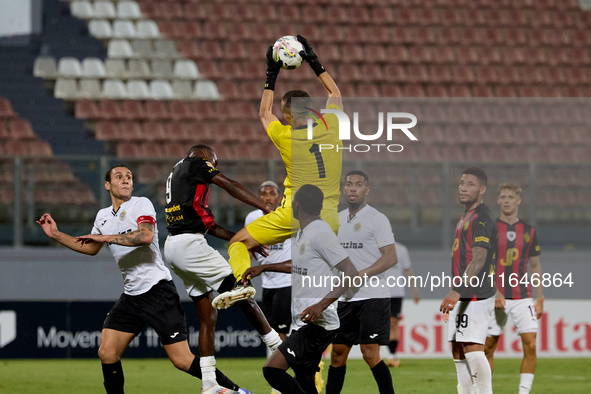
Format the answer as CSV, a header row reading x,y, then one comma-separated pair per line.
x,y
156,110
20,129
69,67
155,131
460,91
82,9
115,68
131,131
166,49
182,90
177,131
106,131
45,67
109,109
171,29
172,10
114,89
66,89
119,49
86,109
185,69
128,10
100,28
206,90
124,29
133,110
127,149
6,111
138,89
462,74
148,173
104,9
139,68
147,29
93,67
162,69
180,110
89,88
140,48
161,90
39,148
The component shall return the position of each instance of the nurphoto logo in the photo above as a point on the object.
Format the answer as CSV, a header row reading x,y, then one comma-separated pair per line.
x,y
7,327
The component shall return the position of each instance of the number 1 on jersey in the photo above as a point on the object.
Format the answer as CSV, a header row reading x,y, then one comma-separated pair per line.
x,y
315,149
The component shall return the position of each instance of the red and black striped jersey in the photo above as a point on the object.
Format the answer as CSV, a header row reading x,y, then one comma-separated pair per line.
x,y
476,228
187,194
517,243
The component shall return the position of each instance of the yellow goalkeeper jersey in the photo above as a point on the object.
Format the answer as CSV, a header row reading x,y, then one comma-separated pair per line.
x,y
305,162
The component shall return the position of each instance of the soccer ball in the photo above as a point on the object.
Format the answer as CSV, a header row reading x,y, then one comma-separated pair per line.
x,y
287,49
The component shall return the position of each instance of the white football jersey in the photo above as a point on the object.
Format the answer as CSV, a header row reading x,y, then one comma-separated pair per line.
x,y
278,254
362,236
398,270
316,251
142,266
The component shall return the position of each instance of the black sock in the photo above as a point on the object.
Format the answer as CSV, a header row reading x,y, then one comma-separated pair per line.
x,y
336,379
381,374
392,345
308,383
223,380
114,380
280,380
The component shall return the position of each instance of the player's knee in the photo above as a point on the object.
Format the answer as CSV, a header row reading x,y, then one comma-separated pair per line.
x,y
529,348
209,318
371,354
181,363
107,354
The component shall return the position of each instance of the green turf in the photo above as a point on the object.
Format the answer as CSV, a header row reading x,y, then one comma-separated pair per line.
x,y
158,376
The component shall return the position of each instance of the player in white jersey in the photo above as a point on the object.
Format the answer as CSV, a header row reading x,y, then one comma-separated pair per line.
x,y
403,268
367,236
276,285
316,253
128,226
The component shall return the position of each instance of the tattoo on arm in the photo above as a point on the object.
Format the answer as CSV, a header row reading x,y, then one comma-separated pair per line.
x,y
478,260
135,238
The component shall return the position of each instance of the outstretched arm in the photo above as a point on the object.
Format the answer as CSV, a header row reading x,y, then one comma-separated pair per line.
x,y
50,227
273,68
257,270
387,260
144,235
239,192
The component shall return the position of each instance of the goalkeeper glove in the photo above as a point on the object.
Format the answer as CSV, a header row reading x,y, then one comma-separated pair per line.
x,y
308,55
273,69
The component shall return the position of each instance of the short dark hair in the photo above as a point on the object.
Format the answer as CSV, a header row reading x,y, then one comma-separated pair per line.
x,y
478,173
198,147
360,173
310,198
108,174
298,94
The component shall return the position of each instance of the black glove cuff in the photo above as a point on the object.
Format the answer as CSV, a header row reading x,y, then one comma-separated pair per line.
x,y
270,83
317,67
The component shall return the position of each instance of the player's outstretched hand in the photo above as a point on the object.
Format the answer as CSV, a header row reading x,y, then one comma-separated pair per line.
x,y
273,69
90,238
500,301
251,272
310,56
261,250
311,313
48,225
448,304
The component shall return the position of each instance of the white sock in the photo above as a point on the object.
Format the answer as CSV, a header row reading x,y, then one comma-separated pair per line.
x,y
464,379
207,365
527,379
272,340
480,372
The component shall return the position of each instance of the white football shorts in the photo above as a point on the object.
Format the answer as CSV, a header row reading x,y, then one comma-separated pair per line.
x,y
468,321
522,313
201,267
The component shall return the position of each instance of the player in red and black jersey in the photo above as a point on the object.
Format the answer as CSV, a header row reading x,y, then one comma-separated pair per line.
x,y
518,245
468,306
202,269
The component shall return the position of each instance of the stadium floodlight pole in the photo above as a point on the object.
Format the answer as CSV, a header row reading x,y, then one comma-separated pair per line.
x,y
17,223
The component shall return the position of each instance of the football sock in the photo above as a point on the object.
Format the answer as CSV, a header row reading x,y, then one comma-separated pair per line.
x,y
208,371
114,380
336,379
272,340
480,372
527,380
392,345
239,259
308,384
381,374
223,380
464,378
282,381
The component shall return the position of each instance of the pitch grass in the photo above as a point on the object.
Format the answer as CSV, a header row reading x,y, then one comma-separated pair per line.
x,y
158,376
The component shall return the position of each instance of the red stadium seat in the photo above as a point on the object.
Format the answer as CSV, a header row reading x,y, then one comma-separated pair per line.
x,y
332,34
413,90
110,110
312,33
368,90
214,30
483,91
175,131
452,154
106,131
417,73
133,109
197,11
180,110
151,149
189,49
360,15
155,131
150,10
131,131
437,91
356,54
264,13
391,90
171,29
6,109
15,147
463,74
400,35
312,14
21,129
172,10
39,148
148,173
176,151
86,109
203,110
460,91
156,110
